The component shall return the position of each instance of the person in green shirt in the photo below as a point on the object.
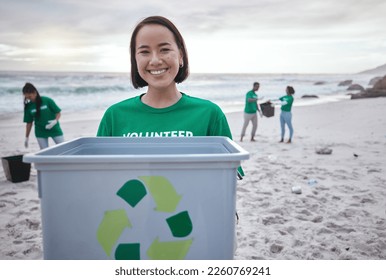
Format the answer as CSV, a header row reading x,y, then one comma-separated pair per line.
x,y
45,113
159,61
286,114
250,111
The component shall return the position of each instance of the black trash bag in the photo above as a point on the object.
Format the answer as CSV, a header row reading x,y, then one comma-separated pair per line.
x,y
267,109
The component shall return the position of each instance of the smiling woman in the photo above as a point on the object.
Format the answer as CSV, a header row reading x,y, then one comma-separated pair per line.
x,y
159,60
169,41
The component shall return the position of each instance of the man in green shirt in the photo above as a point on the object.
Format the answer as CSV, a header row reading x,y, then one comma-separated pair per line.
x,y
250,111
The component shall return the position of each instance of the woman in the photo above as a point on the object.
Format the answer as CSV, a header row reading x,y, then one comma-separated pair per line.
x,y
159,60
45,113
286,115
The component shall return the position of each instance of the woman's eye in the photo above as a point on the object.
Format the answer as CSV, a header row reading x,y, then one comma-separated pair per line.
x,y
165,50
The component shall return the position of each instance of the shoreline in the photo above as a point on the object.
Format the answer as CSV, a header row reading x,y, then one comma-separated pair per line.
x,y
341,216
94,114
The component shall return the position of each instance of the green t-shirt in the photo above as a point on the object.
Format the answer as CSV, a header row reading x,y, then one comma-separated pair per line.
x,y
289,99
48,111
250,107
190,116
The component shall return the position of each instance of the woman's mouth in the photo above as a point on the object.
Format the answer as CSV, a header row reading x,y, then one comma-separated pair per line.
x,y
157,72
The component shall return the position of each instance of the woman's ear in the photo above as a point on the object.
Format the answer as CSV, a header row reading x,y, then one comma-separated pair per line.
x,y
181,60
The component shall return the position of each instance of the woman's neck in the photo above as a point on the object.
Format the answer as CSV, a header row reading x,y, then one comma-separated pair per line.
x,y
161,98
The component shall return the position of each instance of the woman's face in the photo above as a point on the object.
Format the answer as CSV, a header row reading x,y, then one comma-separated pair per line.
x,y
287,91
158,56
31,96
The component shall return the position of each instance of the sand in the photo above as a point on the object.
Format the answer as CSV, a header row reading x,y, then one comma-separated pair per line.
x,y
340,214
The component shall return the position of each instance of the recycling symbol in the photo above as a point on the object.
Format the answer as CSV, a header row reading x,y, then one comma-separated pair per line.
x,y
114,222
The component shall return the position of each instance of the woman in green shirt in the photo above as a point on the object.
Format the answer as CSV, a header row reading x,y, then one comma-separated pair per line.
x,y
159,61
286,115
45,113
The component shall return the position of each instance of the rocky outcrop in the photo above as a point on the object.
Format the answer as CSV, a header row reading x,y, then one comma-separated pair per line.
x,y
356,87
373,81
345,83
378,90
369,94
380,84
319,83
310,96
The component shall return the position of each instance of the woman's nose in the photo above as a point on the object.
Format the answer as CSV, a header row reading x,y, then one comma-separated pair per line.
x,y
155,59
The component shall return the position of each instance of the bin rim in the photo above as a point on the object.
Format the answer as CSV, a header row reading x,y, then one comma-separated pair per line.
x,y
235,151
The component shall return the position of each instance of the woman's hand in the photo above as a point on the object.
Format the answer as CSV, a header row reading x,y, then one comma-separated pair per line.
x,y
51,124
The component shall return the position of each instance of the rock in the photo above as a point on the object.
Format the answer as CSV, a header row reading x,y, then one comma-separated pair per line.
x,y
374,80
378,90
369,93
359,95
319,83
310,96
356,87
345,83
380,84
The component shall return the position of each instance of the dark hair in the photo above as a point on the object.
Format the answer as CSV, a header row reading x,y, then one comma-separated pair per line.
x,y
290,90
183,72
30,88
256,83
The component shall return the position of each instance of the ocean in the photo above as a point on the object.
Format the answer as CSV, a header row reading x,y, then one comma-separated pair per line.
x,y
97,91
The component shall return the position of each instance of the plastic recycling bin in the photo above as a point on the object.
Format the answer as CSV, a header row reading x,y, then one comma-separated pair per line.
x,y
139,198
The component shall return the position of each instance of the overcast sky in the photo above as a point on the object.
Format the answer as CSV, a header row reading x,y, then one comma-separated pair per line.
x,y
231,36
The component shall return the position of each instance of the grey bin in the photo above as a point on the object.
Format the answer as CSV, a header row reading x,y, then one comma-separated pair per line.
x,y
139,198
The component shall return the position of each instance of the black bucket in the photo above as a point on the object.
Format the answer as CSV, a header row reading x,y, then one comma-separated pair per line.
x,y
15,169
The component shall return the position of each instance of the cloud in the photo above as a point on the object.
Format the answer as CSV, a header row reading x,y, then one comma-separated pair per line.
x,y
91,24
97,17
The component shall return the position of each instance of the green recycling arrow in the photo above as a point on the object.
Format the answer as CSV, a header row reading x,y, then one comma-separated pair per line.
x,y
110,229
172,250
163,192
180,224
132,192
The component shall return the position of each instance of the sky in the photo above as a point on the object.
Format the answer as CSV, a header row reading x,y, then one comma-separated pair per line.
x,y
222,36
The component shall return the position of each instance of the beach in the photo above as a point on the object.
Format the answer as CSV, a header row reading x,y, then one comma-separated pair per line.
x,y
340,213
